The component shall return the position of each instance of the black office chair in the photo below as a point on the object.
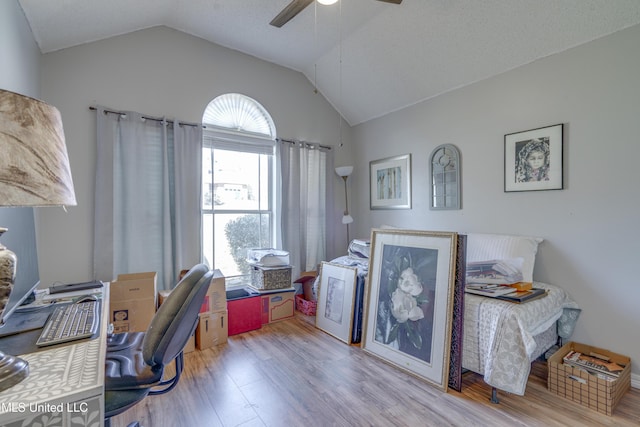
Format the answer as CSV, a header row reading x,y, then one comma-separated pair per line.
x,y
135,361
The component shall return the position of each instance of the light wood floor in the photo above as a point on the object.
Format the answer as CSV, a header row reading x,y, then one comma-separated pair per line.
x,y
291,374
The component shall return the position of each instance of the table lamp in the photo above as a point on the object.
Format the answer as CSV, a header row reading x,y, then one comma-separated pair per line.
x,y
34,171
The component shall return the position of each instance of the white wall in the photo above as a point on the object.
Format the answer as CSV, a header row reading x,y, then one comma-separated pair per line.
x,y
590,228
159,71
19,59
19,54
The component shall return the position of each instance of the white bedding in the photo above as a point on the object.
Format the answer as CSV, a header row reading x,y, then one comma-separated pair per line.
x,y
501,339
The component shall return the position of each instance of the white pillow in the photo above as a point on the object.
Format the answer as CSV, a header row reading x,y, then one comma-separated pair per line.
x,y
482,247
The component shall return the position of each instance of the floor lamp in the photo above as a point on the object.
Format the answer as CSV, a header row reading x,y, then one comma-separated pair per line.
x,y
34,171
344,172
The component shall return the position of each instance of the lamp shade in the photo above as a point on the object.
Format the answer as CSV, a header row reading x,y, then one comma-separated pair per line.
x,y
347,219
344,170
34,171
327,2
34,165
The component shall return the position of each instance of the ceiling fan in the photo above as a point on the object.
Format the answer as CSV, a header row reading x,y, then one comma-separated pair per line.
x,y
297,6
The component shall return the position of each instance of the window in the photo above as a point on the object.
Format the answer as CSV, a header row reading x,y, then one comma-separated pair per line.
x,y
238,182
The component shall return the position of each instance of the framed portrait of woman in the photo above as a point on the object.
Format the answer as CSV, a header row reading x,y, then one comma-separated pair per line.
x,y
533,159
410,300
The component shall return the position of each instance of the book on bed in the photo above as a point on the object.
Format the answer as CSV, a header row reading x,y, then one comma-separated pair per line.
x,y
524,296
491,291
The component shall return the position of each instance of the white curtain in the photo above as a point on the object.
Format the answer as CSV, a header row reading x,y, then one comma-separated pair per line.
x,y
147,198
307,194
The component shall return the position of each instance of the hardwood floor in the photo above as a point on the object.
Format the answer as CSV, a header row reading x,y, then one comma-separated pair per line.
x,y
291,374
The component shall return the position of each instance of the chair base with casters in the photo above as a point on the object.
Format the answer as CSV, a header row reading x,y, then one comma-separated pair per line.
x,y
135,361
123,368
116,402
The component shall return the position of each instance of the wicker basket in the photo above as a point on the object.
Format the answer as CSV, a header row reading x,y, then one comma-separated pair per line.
x,y
270,278
305,306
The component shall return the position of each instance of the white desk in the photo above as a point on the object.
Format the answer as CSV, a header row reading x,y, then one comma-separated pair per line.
x,y
65,386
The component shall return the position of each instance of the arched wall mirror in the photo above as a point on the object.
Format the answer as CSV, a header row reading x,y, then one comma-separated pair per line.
x,y
445,178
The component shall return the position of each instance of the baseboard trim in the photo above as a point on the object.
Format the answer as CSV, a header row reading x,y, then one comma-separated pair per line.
x,y
635,380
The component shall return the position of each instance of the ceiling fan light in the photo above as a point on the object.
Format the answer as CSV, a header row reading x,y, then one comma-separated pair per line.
x,y
327,2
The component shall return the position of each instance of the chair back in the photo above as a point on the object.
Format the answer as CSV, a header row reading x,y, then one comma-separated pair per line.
x,y
176,319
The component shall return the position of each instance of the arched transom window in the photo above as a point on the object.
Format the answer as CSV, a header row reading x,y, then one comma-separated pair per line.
x,y
240,113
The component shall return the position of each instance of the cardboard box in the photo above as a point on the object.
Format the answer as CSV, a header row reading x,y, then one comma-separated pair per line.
x,y
163,295
583,387
307,280
215,300
191,344
217,294
132,302
244,311
212,329
277,306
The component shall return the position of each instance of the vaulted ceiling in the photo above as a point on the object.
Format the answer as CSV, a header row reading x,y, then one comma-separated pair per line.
x,y
391,56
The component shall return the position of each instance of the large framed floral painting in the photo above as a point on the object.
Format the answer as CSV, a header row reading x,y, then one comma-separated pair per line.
x,y
409,308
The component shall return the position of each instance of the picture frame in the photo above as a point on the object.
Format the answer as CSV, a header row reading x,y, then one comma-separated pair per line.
x,y
409,305
457,324
390,183
533,159
336,293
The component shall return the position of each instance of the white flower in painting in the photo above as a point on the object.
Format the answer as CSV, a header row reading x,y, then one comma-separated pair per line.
x,y
404,306
409,282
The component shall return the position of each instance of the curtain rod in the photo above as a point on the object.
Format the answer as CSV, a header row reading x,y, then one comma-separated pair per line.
x,y
157,119
308,144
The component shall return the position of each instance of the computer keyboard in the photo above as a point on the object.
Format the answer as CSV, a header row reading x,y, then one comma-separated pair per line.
x,y
70,322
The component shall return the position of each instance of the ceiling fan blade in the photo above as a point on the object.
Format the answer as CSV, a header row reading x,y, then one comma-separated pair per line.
x,y
392,1
289,12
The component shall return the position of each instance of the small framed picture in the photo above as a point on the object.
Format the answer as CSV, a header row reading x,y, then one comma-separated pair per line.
x,y
336,290
390,183
533,159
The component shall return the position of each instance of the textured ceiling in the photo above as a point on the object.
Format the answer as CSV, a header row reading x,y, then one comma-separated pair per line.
x,y
392,56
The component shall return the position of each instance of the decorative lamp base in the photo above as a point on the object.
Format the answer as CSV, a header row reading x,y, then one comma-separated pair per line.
x,y
12,370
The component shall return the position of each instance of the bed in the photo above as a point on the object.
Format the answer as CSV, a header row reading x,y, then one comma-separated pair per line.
x,y
500,338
